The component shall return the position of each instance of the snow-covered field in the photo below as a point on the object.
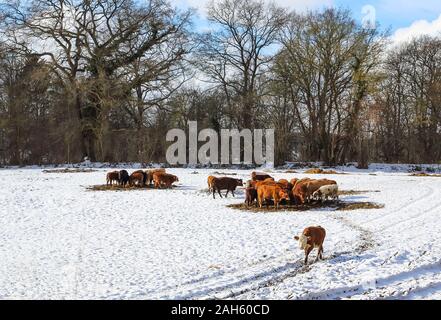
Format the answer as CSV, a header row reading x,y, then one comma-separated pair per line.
x,y
61,241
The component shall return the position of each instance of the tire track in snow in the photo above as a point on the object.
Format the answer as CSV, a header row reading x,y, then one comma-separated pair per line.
x,y
366,242
430,191
382,286
413,217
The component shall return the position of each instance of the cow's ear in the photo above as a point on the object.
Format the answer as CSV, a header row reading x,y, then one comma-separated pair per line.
x,y
297,238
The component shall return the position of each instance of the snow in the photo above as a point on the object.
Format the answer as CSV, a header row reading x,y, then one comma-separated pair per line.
x,y
59,240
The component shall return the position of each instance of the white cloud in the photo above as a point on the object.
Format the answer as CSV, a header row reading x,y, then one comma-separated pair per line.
x,y
417,28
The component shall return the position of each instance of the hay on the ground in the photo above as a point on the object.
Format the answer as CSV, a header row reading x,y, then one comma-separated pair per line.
x,y
115,187
354,192
68,170
224,173
423,174
337,205
321,171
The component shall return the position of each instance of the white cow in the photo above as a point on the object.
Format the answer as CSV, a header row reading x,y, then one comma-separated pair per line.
x,y
326,192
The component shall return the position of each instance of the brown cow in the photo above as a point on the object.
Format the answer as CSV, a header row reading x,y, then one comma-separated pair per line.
x,y
266,182
271,192
303,190
111,177
310,238
299,191
285,184
293,181
250,195
259,176
150,174
136,178
301,180
144,176
225,183
161,179
313,185
210,182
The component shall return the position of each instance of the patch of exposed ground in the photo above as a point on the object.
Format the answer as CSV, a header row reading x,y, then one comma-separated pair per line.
x,y
336,205
68,170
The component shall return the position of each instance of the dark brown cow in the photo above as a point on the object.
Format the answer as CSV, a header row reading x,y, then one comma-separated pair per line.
x,y
310,238
225,183
259,176
111,177
250,195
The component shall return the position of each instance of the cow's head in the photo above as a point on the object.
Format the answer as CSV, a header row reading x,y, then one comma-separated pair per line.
x,y
239,182
283,195
303,241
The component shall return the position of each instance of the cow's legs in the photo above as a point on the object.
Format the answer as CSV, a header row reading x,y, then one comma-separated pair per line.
x,y
232,191
220,194
214,192
226,193
318,254
307,252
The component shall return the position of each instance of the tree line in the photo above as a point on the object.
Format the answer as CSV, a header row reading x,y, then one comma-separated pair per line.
x,y
106,79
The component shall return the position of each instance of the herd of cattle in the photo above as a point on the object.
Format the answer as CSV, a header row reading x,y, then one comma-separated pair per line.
x,y
262,188
158,177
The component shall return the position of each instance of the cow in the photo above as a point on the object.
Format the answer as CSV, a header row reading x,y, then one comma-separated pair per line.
x,y
310,238
250,184
161,179
259,176
150,174
293,181
325,192
266,182
144,176
210,182
111,177
301,181
250,195
225,183
303,190
123,177
271,192
137,178
314,185
285,184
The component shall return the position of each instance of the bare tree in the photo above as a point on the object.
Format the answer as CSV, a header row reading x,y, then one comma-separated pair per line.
x,y
235,53
327,59
89,43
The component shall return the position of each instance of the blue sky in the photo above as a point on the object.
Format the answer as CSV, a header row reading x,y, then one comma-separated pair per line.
x,y
396,13
404,18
